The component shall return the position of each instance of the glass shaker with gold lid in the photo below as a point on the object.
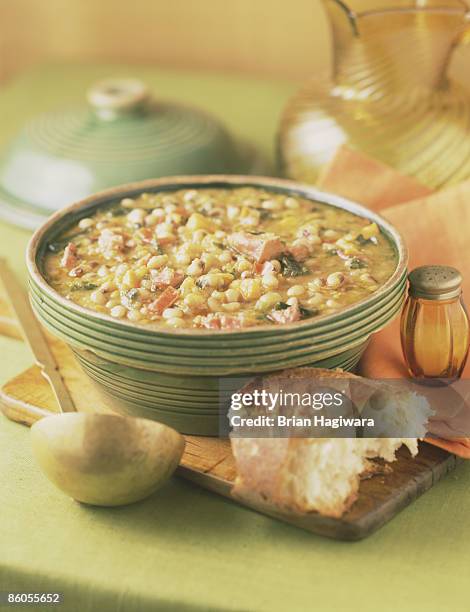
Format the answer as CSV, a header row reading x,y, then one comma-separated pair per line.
x,y
434,324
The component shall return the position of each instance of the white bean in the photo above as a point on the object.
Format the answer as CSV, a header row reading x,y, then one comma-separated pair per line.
x,y
195,268
111,303
314,240
157,261
335,280
267,300
118,312
134,315
214,304
121,269
296,291
150,220
136,216
331,234
171,313
225,257
103,271
182,258
332,304
85,223
218,295
98,297
270,281
316,300
232,295
271,205
108,286
291,203
158,214
193,300
190,195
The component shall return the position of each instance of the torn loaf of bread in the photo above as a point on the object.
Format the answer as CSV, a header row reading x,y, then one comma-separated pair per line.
x,y
314,474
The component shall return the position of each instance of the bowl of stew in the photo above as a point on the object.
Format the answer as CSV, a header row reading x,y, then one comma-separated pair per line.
x,y
164,287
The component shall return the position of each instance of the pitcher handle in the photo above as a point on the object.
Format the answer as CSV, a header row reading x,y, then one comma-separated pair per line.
x,y
344,12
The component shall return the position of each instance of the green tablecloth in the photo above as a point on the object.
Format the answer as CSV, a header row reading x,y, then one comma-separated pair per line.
x,y
185,548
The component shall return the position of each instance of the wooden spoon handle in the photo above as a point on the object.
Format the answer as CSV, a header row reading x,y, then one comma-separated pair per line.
x,y
34,337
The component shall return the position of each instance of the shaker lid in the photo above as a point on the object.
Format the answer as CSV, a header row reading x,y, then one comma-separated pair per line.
x,y
123,135
435,282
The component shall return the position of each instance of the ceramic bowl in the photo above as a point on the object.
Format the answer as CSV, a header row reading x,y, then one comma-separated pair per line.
x,y
174,375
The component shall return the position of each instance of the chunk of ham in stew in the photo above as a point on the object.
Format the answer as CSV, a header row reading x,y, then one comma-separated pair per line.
x,y
164,301
261,247
166,278
287,315
69,258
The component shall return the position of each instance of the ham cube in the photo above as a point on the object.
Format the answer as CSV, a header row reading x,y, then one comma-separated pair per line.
x,y
77,272
145,235
163,301
288,315
166,278
230,322
69,259
260,247
166,240
211,322
221,322
299,250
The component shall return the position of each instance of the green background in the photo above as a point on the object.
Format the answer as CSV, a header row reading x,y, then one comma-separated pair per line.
x,y
184,548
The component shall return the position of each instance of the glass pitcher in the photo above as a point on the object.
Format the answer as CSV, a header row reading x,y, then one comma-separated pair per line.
x,y
390,95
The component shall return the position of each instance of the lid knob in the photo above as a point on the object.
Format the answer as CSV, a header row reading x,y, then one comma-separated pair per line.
x,y
113,97
435,282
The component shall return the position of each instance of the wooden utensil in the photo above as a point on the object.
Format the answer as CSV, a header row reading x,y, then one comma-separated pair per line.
x,y
32,334
100,459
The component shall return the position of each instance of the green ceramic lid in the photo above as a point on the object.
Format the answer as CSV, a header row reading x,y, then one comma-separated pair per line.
x,y
435,282
122,135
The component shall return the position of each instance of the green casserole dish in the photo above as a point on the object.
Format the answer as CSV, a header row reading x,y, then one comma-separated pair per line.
x,y
176,372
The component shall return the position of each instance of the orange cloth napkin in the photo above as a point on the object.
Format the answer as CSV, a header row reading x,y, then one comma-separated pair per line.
x,y
436,228
362,179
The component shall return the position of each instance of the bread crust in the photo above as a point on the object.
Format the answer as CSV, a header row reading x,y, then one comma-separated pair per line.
x,y
300,475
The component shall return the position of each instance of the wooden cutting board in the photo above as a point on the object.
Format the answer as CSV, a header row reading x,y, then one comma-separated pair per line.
x,y
209,462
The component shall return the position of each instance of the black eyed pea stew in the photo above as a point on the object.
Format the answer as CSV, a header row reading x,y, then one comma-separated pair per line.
x,y
219,259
